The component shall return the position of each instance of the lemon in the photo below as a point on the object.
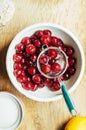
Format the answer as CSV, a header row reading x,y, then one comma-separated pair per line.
x,y
76,123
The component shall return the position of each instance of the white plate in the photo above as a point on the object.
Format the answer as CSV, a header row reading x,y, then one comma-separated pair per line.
x,y
44,94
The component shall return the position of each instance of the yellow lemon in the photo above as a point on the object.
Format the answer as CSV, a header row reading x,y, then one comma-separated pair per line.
x,y
76,123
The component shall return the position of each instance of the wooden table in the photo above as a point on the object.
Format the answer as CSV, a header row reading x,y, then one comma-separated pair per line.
x,y
70,14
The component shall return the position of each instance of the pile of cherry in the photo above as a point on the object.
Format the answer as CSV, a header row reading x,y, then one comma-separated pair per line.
x,y
25,61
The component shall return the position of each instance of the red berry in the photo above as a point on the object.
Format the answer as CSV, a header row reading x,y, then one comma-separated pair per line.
x,y
33,38
22,78
66,76
39,33
30,49
17,57
71,61
50,83
32,70
35,87
43,59
19,47
47,32
56,86
46,80
69,51
46,68
23,60
27,86
56,67
52,53
71,70
18,66
38,50
54,40
37,43
17,72
36,78
26,40
33,58
41,85
45,39
51,61
59,43
29,63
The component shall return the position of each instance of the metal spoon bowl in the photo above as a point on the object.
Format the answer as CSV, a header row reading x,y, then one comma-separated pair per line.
x,y
62,59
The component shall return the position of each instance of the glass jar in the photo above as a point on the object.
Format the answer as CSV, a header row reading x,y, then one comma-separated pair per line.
x,y
6,11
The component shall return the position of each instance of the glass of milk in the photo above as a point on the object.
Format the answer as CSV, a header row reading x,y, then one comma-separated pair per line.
x,y
11,111
6,11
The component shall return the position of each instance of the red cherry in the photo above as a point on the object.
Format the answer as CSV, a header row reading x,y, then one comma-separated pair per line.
x,y
26,40
17,57
45,39
37,43
23,60
47,32
36,78
56,86
45,80
29,63
66,76
71,61
34,87
50,83
56,67
39,33
69,51
54,40
52,53
32,70
33,58
18,66
41,85
38,50
17,72
59,43
22,78
33,38
51,61
30,49
71,70
43,59
19,47
46,68
27,86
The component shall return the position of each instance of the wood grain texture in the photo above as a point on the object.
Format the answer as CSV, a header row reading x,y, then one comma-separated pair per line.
x,y
68,13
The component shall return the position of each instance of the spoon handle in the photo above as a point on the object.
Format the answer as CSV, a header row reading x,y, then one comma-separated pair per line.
x,y
68,101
